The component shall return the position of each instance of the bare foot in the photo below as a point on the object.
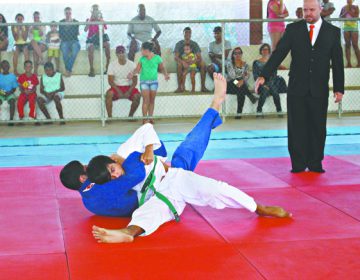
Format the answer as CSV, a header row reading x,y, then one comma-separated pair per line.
x,y
349,65
179,90
272,211
219,91
111,235
204,89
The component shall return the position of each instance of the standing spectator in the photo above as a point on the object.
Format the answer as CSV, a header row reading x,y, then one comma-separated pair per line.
x,y
93,40
121,86
148,67
20,34
327,9
52,88
53,45
190,60
69,46
238,75
181,65
276,10
27,84
271,87
37,41
8,85
299,13
4,35
141,33
216,51
351,31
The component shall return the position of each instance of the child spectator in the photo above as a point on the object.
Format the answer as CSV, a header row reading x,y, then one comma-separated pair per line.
x,y
20,34
52,88
190,59
27,84
37,41
53,43
8,85
148,67
4,35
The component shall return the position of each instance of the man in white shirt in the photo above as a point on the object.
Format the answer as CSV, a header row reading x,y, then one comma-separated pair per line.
x,y
121,86
327,9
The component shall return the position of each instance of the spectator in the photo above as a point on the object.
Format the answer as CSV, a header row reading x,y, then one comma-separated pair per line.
x,y
20,34
181,65
93,40
216,51
52,88
53,45
27,84
271,87
351,32
327,9
140,33
190,60
148,67
121,86
300,13
8,85
238,75
69,46
37,41
276,10
4,35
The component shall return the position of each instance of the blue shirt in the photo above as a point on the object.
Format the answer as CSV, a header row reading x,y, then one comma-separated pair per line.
x,y
8,82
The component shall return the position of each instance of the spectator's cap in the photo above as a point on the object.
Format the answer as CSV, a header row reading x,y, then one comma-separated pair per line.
x,y
120,49
217,29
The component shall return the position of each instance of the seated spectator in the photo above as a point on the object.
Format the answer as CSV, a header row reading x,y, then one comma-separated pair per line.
x,y
276,10
299,13
121,86
8,85
4,35
52,88
216,52
238,75
37,41
69,45
327,9
93,40
20,34
181,65
271,87
190,61
141,33
27,84
53,45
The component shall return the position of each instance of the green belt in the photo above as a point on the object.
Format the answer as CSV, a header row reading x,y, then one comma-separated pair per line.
x,y
149,185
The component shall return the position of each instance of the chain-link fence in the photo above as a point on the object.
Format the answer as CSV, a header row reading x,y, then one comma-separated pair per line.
x,y
87,94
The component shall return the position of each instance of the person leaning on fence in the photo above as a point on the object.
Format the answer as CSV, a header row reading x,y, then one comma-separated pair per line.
x,y
8,86
20,34
238,75
37,41
52,88
327,9
4,35
181,65
53,45
216,51
121,86
141,33
190,61
27,84
271,87
69,46
93,39
148,67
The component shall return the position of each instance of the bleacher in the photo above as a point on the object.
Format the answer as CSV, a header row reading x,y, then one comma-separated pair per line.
x,y
83,94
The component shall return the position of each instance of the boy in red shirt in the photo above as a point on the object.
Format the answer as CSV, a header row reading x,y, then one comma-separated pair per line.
x,y
27,84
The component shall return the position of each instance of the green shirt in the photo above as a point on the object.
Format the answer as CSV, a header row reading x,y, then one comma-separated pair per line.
x,y
149,68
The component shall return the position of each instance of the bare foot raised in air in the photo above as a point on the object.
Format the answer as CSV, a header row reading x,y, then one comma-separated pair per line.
x,y
111,235
272,211
219,91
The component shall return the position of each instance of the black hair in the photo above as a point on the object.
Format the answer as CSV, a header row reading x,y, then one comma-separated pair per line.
x,y
19,15
264,46
70,175
67,9
187,29
217,29
28,62
97,169
232,54
148,46
36,13
3,18
4,61
49,65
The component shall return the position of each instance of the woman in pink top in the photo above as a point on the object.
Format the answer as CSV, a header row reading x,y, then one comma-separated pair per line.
x,y
276,10
93,39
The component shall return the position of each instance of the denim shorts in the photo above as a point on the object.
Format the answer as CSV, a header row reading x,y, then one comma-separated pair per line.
x,y
149,85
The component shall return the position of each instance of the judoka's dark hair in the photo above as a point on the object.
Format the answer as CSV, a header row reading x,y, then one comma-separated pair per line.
x,y
148,46
97,169
71,173
49,65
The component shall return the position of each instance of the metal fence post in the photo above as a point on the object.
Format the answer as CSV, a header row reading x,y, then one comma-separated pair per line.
x,y
102,82
223,107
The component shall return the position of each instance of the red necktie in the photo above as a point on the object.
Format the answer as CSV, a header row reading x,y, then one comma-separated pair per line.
x,y
311,32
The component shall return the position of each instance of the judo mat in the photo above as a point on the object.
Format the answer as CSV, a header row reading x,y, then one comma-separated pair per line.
x,y
46,231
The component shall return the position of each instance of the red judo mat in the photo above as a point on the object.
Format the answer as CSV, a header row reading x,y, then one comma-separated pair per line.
x,y
46,231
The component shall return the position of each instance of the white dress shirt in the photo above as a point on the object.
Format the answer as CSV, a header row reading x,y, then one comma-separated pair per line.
x,y
316,30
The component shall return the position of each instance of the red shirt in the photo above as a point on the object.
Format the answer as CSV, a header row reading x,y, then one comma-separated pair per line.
x,y
28,82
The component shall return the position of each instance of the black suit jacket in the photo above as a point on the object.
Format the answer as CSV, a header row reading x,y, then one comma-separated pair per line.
x,y
310,65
